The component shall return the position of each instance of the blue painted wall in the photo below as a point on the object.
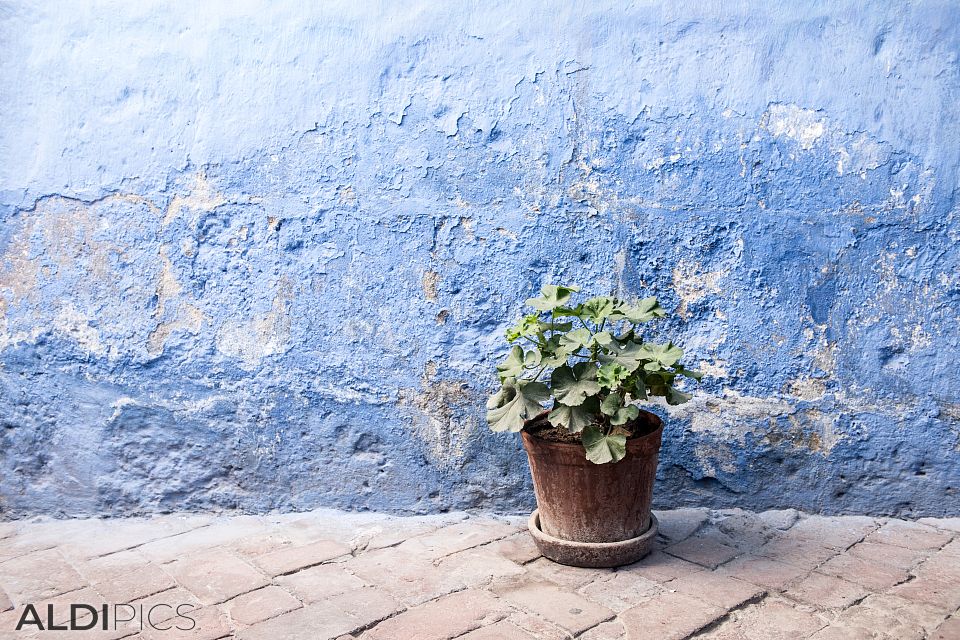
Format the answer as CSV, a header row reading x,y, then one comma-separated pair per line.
x,y
262,256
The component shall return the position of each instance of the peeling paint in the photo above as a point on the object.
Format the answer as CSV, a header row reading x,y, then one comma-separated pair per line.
x,y
214,297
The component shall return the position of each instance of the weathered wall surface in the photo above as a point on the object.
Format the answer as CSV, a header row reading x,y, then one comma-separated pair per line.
x,y
262,257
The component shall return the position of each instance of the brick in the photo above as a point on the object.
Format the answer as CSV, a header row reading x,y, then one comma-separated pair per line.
x,y
209,623
215,576
887,554
260,544
946,524
910,535
164,604
775,620
503,630
930,589
744,530
457,537
564,575
680,524
308,623
826,592
661,567
448,617
949,630
61,607
410,577
103,537
899,618
538,627
836,532
722,591
763,572
366,605
262,604
319,583
703,550
800,552
669,616
566,609
872,575
952,548
622,591
125,576
839,632
479,566
220,533
612,630
781,519
519,548
289,559
39,575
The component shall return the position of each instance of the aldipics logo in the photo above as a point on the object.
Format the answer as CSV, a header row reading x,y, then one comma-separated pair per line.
x,y
107,617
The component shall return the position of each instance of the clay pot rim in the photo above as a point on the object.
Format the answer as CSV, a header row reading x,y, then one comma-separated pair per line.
x,y
656,433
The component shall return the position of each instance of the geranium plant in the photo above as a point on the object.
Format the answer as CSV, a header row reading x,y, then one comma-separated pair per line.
x,y
592,361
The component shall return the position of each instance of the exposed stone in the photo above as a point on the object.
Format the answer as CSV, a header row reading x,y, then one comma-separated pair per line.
x,y
763,572
38,575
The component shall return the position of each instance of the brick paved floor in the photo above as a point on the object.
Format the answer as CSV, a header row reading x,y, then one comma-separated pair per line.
x,y
722,575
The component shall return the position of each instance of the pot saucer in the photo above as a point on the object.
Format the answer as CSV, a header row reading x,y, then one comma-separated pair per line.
x,y
592,554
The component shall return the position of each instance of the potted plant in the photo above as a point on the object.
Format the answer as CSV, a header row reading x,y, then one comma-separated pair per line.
x,y
593,453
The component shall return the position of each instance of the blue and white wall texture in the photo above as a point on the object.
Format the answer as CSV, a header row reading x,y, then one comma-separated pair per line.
x,y
261,256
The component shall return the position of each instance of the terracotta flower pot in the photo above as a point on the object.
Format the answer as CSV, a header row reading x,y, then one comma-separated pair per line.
x,y
594,514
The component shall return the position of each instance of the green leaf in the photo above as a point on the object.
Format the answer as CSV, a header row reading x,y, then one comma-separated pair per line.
x,y
513,365
603,338
646,309
576,339
674,396
611,375
639,389
683,371
528,326
597,309
603,448
619,414
611,404
552,297
575,419
518,401
572,386
555,353
518,362
625,415
666,355
628,355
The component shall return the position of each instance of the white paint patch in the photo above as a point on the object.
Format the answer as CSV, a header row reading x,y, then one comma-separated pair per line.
x,y
265,335
729,415
692,283
70,322
790,121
